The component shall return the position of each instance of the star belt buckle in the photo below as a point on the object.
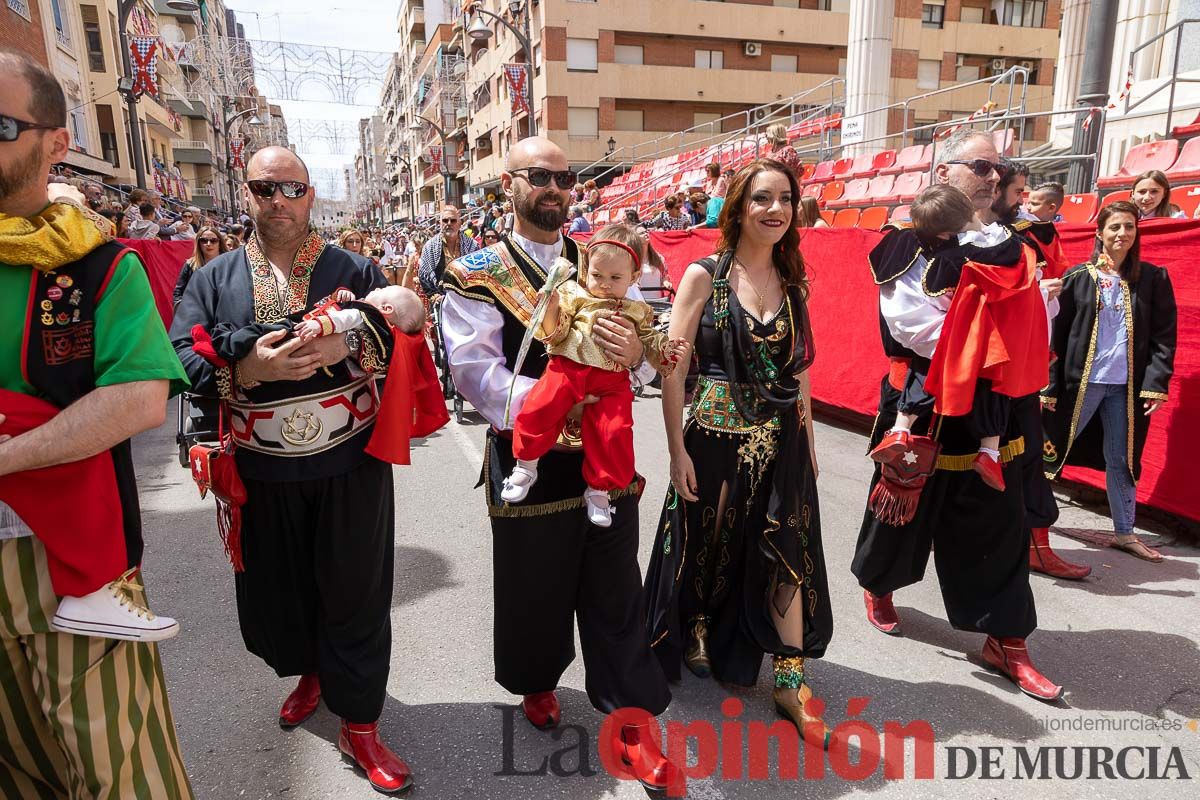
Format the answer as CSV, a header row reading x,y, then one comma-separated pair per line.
x,y
301,427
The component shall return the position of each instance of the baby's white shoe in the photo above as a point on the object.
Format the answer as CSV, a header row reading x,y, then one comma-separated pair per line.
x,y
113,612
598,509
517,486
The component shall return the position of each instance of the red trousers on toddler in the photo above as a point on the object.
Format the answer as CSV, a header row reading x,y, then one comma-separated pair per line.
x,y
607,423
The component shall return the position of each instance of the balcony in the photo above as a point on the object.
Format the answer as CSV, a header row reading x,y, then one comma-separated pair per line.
x,y
192,151
163,9
202,198
199,109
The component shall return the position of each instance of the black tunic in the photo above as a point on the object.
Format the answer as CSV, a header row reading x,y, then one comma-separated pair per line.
x,y
1151,322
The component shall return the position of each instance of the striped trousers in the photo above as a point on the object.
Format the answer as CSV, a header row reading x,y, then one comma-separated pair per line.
x,y
80,717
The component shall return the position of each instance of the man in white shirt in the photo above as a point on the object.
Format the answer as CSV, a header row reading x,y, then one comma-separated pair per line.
x,y
550,564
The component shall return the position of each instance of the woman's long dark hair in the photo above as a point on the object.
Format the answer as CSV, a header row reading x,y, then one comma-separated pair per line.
x,y
786,253
1131,267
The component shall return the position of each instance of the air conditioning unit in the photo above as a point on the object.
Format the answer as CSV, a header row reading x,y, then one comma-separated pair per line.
x,y
1026,65
753,49
760,114
999,65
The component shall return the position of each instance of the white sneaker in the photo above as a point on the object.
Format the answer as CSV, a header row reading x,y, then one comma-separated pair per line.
x,y
112,612
517,486
598,510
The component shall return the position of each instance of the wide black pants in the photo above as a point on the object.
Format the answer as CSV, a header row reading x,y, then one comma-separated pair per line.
x,y
979,538
316,593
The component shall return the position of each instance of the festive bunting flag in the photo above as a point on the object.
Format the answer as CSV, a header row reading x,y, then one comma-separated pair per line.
x,y
236,148
143,53
517,87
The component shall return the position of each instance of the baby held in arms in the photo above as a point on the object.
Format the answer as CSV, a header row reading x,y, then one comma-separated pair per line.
x,y
399,306
579,367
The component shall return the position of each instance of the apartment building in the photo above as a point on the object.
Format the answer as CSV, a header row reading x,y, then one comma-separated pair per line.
x,y
370,174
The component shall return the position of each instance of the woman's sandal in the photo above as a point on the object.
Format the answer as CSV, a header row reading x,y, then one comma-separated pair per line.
x,y
1138,549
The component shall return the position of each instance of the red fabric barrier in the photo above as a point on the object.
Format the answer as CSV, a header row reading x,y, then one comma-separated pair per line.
x,y
163,261
850,359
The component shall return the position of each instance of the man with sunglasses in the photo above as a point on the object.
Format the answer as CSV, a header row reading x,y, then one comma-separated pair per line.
x,y
313,568
550,565
84,365
979,536
441,250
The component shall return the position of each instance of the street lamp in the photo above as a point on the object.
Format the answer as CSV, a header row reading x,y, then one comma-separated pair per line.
x,y
408,174
480,31
612,146
254,120
417,127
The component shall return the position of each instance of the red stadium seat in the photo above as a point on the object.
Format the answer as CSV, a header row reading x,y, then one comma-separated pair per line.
x,y
925,161
910,184
873,218
1140,158
822,172
1113,197
1187,166
842,167
846,218
806,172
883,160
863,167
1187,131
832,191
855,193
907,159
1079,207
899,214
828,216
882,189
812,190
1186,197
1004,140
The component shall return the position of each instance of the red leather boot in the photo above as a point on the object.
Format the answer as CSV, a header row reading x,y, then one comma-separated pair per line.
x,y
1010,657
881,613
644,760
301,703
385,770
1044,560
541,709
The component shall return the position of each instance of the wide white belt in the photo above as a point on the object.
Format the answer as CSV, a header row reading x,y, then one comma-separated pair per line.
x,y
303,426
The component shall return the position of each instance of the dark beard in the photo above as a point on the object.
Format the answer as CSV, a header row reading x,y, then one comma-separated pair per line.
x,y
19,178
1006,214
546,220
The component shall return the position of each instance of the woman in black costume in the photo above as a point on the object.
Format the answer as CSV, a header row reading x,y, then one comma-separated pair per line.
x,y
738,569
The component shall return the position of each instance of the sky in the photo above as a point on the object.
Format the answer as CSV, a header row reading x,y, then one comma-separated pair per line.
x,y
356,25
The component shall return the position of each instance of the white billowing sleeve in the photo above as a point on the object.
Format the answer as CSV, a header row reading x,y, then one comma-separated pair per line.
x,y
645,371
345,319
913,318
475,349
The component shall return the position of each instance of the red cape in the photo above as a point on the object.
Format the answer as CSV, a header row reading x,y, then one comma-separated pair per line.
x,y
995,330
73,509
412,404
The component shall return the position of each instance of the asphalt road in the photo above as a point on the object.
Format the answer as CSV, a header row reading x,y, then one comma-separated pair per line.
x,y
1124,642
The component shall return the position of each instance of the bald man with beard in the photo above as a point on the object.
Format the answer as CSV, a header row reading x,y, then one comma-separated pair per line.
x,y
313,558
551,566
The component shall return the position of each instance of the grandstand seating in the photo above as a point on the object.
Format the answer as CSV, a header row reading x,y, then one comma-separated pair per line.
x,y
1187,165
842,168
873,218
846,218
1140,158
832,191
910,184
863,166
1186,197
853,194
1113,197
828,216
1079,207
1187,131
882,189
899,214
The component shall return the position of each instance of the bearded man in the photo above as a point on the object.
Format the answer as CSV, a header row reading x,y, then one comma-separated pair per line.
x,y
551,564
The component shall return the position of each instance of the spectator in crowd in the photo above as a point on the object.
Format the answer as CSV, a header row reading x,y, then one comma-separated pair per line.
x,y
508,216
671,218
1006,207
1152,196
631,217
1045,201
698,208
810,214
716,184
441,250
578,194
579,222
490,237
247,230
184,229
133,210
352,240
144,227
231,241
653,279
209,245
94,194
592,199
782,151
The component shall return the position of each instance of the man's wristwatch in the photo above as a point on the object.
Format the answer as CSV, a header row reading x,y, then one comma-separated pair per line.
x,y
354,341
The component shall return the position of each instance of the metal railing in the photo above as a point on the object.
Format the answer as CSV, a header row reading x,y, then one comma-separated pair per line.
x,y
190,144
1169,83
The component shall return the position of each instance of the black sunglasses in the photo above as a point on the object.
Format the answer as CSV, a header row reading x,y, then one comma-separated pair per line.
x,y
539,177
266,189
982,167
209,241
450,221
11,127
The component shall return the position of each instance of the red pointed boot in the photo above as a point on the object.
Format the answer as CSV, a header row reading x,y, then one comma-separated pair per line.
x,y
881,613
991,470
385,770
891,446
1044,560
645,761
301,703
1010,657
541,709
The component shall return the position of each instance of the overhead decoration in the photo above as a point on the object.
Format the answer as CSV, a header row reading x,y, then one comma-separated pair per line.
x,y
517,87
